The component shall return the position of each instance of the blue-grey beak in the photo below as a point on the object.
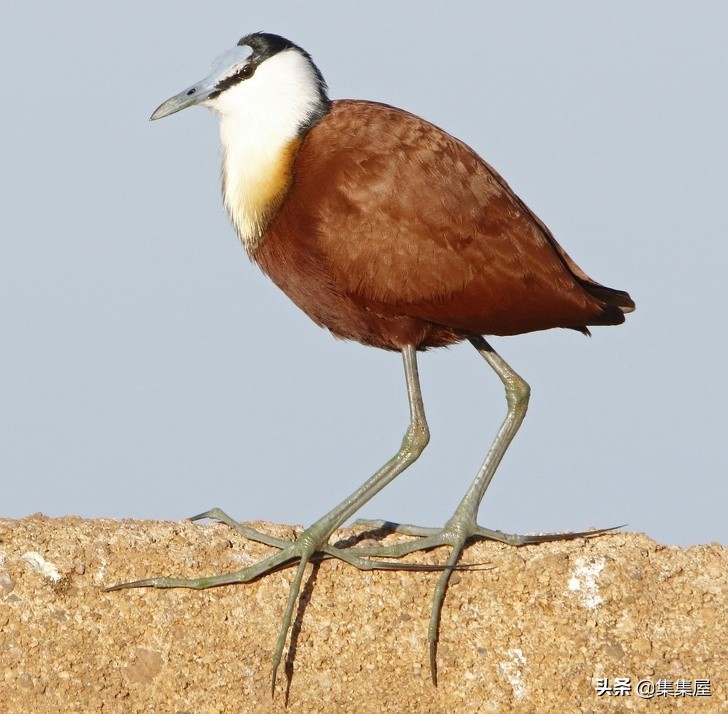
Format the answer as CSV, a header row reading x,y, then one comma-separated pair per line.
x,y
223,67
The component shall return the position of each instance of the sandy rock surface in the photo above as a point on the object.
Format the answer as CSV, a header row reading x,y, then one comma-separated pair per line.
x,y
532,633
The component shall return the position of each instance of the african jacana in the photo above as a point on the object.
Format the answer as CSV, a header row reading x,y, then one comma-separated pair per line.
x,y
386,230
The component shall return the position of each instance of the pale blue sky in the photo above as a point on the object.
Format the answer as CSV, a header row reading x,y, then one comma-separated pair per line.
x,y
148,370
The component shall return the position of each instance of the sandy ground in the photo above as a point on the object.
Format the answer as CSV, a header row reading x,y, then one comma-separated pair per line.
x,y
534,632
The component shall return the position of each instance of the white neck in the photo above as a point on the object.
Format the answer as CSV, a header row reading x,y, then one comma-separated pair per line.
x,y
259,119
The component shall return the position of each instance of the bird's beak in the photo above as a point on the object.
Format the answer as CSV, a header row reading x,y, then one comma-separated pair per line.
x,y
224,66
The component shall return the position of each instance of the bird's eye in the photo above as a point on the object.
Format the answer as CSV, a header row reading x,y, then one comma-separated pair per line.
x,y
247,71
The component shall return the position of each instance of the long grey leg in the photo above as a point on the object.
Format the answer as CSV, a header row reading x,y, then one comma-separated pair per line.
x,y
315,537
463,524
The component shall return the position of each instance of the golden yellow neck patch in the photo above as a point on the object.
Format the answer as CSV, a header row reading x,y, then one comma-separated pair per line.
x,y
254,185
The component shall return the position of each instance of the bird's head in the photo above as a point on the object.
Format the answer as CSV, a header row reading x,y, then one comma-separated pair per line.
x,y
264,77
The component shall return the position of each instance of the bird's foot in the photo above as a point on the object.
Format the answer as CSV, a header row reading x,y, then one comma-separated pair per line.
x,y
456,534
310,546
353,556
476,533
301,549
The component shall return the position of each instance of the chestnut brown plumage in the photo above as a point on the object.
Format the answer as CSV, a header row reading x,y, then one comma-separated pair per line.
x,y
393,233
386,230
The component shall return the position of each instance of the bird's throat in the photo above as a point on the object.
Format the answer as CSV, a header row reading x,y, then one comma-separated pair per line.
x,y
256,176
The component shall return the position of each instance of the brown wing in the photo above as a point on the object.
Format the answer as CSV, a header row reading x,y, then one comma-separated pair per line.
x,y
412,222
395,233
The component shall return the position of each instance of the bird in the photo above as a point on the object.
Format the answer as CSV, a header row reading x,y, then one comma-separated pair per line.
x,y
385,230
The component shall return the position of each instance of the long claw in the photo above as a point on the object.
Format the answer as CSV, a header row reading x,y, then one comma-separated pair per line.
x,y
519,540
268,565
286,623
438,597
217,514
190,583
391,527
